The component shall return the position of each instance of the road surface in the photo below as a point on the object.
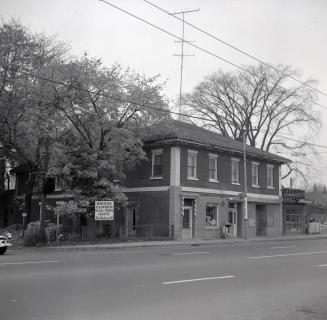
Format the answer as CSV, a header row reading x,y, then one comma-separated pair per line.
x,y
266,281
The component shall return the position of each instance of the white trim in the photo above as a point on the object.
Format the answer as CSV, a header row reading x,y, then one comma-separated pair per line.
x,y
235,160
213,155
155,178
251,196
193,178
215,158
213,180
192,151
157,151
175,166
204,190
255,165
146,189
270,167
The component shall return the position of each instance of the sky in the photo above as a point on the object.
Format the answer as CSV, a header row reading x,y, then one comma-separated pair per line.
x,y
291,32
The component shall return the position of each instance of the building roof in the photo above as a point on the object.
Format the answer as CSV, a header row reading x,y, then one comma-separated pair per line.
x,y
178,131
21,168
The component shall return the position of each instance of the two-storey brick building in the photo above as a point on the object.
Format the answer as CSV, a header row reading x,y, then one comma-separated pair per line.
x,y
193,181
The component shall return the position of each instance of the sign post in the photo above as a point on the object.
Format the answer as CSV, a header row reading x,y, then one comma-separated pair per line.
x,y
104,210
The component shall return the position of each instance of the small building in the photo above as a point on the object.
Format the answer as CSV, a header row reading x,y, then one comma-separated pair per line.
x,y
190,186
193,184
13,198
298,212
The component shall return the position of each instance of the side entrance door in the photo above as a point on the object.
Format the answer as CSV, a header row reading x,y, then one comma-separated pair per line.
x,y
261,216
232,219
131,221
187,223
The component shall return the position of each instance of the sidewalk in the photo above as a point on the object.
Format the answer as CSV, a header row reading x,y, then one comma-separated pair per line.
x,y
192,242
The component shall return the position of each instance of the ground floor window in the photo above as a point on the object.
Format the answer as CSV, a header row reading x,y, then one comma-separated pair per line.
x,y
211,215
293,222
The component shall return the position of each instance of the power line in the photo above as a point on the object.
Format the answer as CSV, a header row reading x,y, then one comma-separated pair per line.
x,y
142,105
188,42
61,83
177,37
239,50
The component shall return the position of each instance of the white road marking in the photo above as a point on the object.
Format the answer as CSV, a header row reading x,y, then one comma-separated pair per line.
x,y
189,253
287,255
282,247
321,265
28,262
199,279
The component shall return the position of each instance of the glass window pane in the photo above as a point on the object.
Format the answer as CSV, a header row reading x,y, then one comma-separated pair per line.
x,y
157,165
186,219
191,165
211,216
235,171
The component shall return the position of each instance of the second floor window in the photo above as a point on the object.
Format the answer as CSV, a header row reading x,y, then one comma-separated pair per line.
x,y
235,171
192,164
255,174
156,163
270,176
213,167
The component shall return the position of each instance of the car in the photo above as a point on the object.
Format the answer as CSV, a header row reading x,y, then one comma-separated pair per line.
x,y
4,242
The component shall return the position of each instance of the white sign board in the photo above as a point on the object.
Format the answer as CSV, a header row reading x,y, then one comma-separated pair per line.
x,y
104,210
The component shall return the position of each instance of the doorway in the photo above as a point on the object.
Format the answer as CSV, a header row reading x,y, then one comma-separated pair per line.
x,y
187,223
232,219
131,221
261,217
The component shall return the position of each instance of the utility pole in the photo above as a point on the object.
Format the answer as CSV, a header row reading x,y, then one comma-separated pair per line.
x,y
182,54
245,199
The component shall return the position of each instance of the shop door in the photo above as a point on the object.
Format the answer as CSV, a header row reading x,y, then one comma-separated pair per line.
x,y
232,219
187,223
261,216
131,221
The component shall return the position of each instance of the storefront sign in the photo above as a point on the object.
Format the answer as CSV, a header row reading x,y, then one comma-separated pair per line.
x,y
104,210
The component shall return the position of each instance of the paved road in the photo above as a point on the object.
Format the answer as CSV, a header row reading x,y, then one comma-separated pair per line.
x,y
266,281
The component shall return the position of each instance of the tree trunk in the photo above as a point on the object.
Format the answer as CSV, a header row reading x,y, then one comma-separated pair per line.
x,y
44,195
42,215
28,198
2,173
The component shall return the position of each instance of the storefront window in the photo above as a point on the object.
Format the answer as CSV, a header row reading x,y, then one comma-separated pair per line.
x,y
212,215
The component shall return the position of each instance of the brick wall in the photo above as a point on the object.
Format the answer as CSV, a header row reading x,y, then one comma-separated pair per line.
x,y
153,207
225,173
141,174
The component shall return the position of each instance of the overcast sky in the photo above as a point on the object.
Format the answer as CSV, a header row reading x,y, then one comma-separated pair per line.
x,y
292,32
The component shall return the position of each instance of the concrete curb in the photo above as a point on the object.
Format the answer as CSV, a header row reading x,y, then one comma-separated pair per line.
x,y
190,243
